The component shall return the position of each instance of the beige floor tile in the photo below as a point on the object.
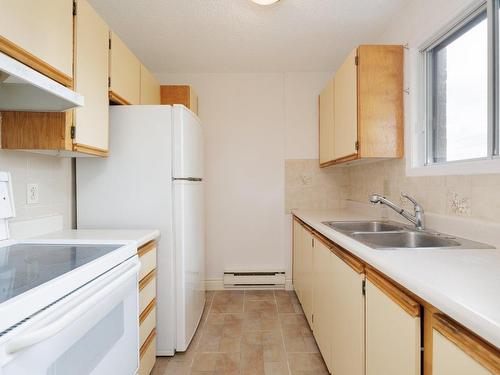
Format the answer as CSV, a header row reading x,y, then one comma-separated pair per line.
x,y
259,295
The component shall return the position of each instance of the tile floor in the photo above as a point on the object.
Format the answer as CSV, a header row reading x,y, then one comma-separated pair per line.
x,y
249,333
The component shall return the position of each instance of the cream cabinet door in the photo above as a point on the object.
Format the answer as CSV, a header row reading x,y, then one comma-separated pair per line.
x,y
43,29
347,319
307,275
150,88
326,122
91,78
125,73
346,109
392,332
323,300
297,254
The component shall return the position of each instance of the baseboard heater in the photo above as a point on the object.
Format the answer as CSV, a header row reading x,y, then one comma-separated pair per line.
x,y
252,279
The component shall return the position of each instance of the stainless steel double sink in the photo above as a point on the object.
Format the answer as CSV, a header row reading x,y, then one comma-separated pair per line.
x,y
390,235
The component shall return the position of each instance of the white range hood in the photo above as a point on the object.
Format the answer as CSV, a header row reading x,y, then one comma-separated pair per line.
x,y
24,89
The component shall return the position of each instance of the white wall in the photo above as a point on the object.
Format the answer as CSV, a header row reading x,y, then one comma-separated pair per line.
x,y
54,178
253,122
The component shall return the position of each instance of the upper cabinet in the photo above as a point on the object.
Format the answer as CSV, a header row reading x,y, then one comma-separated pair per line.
x,y
91,80
40,35
150,88
124,73
180,94
367,107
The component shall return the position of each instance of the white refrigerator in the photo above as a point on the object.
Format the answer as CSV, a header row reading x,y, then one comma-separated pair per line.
x,y
153,178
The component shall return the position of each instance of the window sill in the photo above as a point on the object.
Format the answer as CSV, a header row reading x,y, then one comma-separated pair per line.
x,y
456,168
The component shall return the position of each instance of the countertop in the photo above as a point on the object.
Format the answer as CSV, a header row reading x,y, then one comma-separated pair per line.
x,y
140,236
464,284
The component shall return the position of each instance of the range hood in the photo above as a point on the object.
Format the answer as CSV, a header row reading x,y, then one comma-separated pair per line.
x,y
24,89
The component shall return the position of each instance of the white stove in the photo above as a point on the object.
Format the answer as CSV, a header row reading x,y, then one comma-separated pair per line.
x,y
66,307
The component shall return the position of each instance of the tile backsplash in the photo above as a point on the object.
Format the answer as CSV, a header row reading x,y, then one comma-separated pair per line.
x,y
54,178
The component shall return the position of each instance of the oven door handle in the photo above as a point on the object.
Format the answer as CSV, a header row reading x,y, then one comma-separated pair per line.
x,y
86,303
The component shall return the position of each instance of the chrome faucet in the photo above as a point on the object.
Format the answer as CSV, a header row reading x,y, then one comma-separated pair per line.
x,y
418,216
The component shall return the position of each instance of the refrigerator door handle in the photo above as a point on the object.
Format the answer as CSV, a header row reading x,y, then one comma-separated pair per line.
x,y
188,179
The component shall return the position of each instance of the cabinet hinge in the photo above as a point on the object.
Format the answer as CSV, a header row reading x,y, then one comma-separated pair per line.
x,y
312,242
73,132
312,318
356,60
109,43
109,81
74,8
356,145
363,287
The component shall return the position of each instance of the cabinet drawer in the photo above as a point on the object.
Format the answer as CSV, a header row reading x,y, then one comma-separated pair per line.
x,y
147,256
147,291
148,354
147,322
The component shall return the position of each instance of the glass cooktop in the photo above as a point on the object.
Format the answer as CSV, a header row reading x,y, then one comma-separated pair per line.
x,y
26,266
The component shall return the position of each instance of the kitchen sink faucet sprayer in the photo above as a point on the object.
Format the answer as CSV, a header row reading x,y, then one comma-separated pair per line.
x,y
417,218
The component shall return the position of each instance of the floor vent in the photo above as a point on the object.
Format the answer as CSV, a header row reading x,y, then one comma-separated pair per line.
x,y
252,279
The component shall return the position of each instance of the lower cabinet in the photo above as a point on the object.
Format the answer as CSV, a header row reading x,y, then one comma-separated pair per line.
x,y
323,299
392,329
147,307
457,352
307,275
297,257
347,331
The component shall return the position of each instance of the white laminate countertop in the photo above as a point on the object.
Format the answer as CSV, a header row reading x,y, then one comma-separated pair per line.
x,y
464,284
140,236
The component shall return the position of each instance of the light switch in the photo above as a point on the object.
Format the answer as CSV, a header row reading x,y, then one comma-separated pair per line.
x,y
32,193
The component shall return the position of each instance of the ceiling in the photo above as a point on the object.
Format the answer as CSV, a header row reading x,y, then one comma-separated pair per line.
x,y
214,36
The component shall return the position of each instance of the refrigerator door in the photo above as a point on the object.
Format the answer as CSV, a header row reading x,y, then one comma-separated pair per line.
x,y
189,229
188,150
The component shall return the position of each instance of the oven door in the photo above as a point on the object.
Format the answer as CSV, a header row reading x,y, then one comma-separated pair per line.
x,y
92,331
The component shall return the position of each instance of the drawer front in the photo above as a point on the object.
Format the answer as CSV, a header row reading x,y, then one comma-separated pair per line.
x,y
147,325
146,294
148,355
148,262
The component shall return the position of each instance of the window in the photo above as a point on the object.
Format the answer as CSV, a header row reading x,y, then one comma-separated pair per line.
x,y
460,84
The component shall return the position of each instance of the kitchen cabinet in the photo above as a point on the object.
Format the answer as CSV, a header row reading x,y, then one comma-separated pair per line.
x,y
150,88
323,310
40,35
297,257
348,317
368,107
456,351
307,276
75,132
124,74
392,329
147,307
180,94
326,122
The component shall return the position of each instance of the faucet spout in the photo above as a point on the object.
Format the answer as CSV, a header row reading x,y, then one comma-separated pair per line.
x,y
417,218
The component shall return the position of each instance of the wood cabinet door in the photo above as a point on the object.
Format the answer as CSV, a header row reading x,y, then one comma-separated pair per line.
x,y
91,79
297,257
346,107
323,300
150,88
125,73
39,34
392,330
348,319
307,275
326,122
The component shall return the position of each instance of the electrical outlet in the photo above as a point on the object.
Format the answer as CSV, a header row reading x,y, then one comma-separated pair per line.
x,y
32,193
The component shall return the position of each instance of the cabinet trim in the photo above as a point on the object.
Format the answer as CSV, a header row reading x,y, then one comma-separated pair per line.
x,y
340,160
407,303
117,99
481,352
147,310
78,147
146,344
20,54
146,279
146,248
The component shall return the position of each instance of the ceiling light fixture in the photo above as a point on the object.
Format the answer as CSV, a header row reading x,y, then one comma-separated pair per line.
x,y
265,2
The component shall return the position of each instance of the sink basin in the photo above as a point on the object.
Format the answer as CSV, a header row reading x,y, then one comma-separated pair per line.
x,y
364,226
405,240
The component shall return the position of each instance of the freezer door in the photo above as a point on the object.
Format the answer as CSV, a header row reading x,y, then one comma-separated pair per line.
x,y
188,150
189,233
